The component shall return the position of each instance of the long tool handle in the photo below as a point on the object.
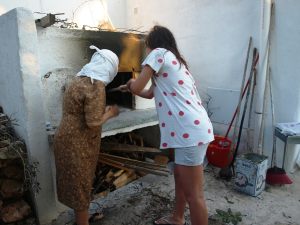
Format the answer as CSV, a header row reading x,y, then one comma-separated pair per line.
x,y
273,120
252,72
250,109
243,94
260,146
114,89
240,98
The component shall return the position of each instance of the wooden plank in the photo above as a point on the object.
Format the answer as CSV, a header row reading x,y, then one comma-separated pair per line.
x,y
118,173
114,164
126,167
116,147
161,159
124,179
132,161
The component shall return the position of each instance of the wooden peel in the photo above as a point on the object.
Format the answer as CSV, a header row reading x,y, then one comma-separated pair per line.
x,y
114,89
122,88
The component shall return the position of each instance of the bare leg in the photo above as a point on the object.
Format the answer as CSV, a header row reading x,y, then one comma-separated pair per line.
x,y
82,217
191,180
180,202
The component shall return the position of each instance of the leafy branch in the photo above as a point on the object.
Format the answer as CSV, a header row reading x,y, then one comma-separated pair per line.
x,y
13,147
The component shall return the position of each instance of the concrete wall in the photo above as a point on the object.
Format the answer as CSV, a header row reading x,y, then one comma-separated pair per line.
x,y
213,36
285,78
20,91
285,60
116,8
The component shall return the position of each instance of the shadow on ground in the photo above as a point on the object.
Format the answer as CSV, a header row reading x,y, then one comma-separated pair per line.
x,y
144,200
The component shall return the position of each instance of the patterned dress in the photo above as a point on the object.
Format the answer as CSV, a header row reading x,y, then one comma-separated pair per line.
x,y
183,119
77,141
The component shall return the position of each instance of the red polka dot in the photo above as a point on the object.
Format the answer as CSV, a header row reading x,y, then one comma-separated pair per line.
x,y
181,113
160,104
192,92
200,143
160,60
180,82
165,74
163,124
164,144
196,122
172,134
174,62
188,102
170,113
165,93
209,131
186,135
173,93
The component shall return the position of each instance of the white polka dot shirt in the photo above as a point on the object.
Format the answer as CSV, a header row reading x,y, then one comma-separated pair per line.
x,y
183,121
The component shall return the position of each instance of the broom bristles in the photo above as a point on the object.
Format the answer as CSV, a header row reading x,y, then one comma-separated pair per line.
x,y
276,175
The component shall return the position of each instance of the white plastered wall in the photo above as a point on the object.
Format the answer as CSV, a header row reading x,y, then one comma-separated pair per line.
x,y
116,8
285,78
213,37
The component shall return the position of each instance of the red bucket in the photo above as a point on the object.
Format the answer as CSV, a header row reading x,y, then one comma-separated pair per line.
x,y
218,152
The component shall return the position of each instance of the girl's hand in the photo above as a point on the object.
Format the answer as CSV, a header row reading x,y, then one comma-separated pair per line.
x,y
129,83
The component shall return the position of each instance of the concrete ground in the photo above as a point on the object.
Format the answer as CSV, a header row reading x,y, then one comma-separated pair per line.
x,y
151,196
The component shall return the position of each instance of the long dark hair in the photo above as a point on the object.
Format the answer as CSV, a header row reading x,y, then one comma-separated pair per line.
x,y
162,37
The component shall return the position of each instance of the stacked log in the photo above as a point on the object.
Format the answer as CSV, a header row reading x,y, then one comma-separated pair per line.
x,y
13,194
123,159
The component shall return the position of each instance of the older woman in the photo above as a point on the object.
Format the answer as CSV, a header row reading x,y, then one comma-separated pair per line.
x,y
77,139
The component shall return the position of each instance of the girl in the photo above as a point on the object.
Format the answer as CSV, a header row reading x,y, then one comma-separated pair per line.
x,y
184,124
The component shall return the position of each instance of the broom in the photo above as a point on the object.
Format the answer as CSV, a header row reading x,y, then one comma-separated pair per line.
x,y
228,172
275,175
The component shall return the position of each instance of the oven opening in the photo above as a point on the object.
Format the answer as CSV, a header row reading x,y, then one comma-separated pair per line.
x,y
124,99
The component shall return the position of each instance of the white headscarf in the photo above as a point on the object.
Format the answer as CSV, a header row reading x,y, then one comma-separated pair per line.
x,y
103,66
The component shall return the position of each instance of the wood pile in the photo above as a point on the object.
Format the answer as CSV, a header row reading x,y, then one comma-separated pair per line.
x,y
123,159
14,195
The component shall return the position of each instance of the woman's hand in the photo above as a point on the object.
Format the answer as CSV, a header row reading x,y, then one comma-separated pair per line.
x,y
112,110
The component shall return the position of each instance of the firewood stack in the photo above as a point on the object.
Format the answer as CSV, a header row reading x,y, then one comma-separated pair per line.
x,y
14,196
123,159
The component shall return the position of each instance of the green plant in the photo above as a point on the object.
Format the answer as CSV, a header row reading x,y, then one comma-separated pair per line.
x,y
228,217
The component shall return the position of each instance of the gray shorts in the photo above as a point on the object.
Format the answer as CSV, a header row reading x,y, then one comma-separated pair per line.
x,y
190,156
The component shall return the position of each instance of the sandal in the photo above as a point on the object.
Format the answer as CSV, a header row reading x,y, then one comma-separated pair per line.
x,y
165,220
95,217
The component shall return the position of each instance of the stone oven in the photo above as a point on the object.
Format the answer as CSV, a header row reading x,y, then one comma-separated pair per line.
x,y
35,65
